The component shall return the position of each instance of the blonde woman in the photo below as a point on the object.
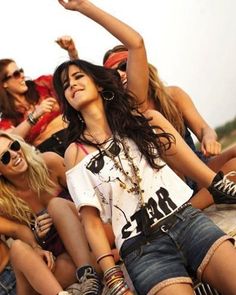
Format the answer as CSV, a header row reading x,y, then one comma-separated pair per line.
x,y
28,182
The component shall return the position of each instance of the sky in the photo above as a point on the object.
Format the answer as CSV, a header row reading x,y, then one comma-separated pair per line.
x,y
191,42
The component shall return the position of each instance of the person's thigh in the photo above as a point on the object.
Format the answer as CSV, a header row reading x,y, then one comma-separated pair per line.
x,y
176,289
155,265
197,237
221,269
225,161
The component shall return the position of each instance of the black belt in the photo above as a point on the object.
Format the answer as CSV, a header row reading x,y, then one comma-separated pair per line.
x,y
154,231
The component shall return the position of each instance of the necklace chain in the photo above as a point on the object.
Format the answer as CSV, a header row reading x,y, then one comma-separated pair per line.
x,y
135,179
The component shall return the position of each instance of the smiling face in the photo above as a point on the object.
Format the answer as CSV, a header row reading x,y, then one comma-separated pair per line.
x,y
80,90
14,81
12,160
118,61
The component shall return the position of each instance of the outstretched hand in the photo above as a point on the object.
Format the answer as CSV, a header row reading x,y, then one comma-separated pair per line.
x,y
71,4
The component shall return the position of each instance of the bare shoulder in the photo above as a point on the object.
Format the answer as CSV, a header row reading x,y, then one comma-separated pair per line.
x,y
178,95
174,90
51,158
55,165
73,155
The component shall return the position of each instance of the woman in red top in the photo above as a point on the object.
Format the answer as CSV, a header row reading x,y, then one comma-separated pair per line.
x,y
28,108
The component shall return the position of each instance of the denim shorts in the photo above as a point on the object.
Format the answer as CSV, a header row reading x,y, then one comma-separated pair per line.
x,y
173,254
7,282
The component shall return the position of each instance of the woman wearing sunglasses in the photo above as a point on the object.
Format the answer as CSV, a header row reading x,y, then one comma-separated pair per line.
x,y
17,263
179,109
34,184
29,108
116,174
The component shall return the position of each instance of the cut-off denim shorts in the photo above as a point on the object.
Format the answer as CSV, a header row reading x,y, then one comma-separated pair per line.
x,y
174,253
7,281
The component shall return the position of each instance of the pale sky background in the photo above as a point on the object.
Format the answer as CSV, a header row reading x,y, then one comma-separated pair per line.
x,y
191,42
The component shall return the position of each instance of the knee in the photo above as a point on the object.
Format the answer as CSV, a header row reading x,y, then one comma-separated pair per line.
x,y
18,247
231,152
56,204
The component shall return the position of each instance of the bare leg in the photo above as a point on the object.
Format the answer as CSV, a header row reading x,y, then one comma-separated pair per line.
x,y
226,159
66,220
221,270
176,289
65,278
203,198
31,271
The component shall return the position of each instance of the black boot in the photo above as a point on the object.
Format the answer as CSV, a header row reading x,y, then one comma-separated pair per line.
x,y
222,189
89,281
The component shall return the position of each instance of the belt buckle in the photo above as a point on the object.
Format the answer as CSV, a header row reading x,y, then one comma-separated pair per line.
x,y
164,229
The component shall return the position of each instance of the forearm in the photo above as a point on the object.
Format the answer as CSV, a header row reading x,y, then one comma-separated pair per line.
x,y
25,234
208,132
24,127
73,54
128,36
94,229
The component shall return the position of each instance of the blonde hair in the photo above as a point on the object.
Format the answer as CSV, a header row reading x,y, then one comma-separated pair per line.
x,y
39,181
163,101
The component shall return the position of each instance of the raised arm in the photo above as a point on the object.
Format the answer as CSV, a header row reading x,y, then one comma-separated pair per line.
x,y
67,43
137,69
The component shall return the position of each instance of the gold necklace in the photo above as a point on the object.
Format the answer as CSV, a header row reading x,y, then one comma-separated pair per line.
x,y
135,179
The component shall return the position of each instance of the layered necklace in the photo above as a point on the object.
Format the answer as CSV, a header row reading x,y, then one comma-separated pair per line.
x,y
134,177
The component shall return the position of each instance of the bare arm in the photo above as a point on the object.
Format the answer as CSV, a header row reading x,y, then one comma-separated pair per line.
x,y
180,157
137,69
24,127
205,134
22,232
17,231
56,166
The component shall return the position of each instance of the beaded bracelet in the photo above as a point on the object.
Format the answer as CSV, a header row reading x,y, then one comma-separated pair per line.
x,y
31,119
104,256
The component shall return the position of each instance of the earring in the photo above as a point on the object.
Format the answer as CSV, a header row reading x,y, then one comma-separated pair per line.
x,y
80,118
107,94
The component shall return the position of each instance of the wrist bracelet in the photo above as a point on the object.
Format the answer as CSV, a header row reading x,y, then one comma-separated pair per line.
x,y
104,256
31,119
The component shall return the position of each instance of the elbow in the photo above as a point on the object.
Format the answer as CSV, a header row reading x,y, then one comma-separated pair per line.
x,y
139,42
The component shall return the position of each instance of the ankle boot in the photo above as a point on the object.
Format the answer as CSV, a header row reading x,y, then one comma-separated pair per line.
x,y
89,281
222,189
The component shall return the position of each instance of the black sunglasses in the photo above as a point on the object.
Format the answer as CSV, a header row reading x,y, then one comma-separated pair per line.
x,y
96,164
16,75
6,156
122,66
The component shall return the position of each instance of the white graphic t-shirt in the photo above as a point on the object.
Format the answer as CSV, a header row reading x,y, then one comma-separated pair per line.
x,y
95,181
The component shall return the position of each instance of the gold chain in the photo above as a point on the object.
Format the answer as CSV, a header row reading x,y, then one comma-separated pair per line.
x,y
134,179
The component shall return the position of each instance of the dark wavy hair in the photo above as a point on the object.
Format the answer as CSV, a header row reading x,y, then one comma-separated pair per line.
x,y
8,108
122,113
